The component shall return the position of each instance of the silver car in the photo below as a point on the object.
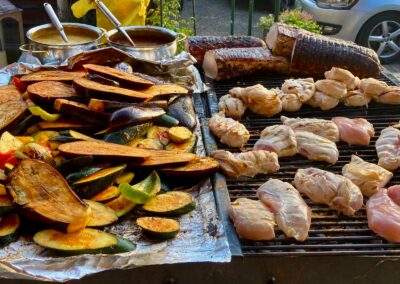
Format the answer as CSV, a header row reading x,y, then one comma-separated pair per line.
x,y
372,23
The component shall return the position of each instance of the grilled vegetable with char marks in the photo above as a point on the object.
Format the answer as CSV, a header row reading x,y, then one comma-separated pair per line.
x,y
49,91
53,75
159,228
171,203
9,226
134,115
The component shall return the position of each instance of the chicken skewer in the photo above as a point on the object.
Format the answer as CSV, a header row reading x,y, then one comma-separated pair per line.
x,y
336,191
279,139
316,148
292,214
252,219
248,163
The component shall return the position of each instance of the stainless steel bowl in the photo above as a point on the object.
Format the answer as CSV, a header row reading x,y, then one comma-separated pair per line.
x,y
152,43
57,53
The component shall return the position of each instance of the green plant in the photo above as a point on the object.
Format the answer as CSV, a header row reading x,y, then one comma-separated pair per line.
x,y
296,17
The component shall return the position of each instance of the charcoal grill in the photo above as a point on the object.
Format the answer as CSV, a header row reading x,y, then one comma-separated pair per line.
x,y
331,233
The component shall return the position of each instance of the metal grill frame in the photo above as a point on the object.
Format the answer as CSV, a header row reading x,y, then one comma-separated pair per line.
x,y
353,236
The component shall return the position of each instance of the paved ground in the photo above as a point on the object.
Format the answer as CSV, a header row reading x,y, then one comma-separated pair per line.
x,y
213,18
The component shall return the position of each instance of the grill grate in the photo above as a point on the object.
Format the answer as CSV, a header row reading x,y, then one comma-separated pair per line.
x,y
331,233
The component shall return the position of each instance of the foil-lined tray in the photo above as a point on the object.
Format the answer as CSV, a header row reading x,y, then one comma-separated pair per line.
x,y
201,239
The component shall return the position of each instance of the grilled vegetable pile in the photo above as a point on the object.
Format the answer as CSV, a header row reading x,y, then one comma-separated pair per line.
x,y
80,150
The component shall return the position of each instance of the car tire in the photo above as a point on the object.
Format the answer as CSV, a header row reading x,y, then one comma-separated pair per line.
x,y
372,35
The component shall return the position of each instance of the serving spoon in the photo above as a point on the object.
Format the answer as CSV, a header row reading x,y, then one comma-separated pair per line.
x,y
103,8
55,21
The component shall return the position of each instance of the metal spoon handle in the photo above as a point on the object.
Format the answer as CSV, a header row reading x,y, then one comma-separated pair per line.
x,y
103,8
54,19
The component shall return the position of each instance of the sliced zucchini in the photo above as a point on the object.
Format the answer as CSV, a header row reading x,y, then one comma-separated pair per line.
x,y
147,143
120,205
58,160
41,137
86,241
70,165
107,195
76,134
167,120
143,191
125,177
160,133
160,228
24,124
92,184
179,134
2,190
127,134
81,174
101,214
171,203
189,146
7,168
5,205
63,139
8,228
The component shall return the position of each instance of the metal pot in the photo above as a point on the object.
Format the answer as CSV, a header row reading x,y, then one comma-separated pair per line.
x,y
54,53
151,43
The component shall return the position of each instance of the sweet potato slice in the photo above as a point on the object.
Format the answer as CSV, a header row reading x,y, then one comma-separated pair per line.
x,y
93,89
54,75
122,77
49,91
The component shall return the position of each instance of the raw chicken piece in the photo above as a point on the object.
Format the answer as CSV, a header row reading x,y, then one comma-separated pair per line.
x,y
248,163
355,131
394,193
391,96
388,148
367,176
356,98
331,88
230,132
342,75
279,139
321,127
303,88
336,191
231,106
290,102
324,102
258,99
292,214
372,87
252,219
316,148
383,214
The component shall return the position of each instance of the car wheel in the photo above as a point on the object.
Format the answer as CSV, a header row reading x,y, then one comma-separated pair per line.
x,y
382,34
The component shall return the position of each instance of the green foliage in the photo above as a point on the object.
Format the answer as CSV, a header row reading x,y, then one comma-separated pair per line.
x,y
296,17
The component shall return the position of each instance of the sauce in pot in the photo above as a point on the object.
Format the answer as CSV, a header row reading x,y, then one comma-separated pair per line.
x,y
143,38
75,35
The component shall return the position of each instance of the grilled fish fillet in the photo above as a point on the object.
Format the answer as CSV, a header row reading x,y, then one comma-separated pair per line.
x,y
247,163
228,63
303,88
321,127
344,76
252,219
230,132
316,148
383,214
336,191
356,98
322,101
355,131
292,214
258,99
290,102
332,88
367,176
232,107
279,139
388,148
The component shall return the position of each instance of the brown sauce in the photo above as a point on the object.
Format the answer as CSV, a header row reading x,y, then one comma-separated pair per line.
x,y
143,39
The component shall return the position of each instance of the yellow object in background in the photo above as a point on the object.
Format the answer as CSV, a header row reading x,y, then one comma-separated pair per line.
x,y
128,12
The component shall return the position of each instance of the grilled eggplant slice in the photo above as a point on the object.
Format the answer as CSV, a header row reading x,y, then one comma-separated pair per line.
x,y
92,184
8,228
111,106
93,89
48,91
127,134
101,214
56,75
11,111
41,194
107,194
64,124
198,168
86,241
159,228
135,115
102,80
183,110
81,112
165,90
9,93
161,158
124,78
171,203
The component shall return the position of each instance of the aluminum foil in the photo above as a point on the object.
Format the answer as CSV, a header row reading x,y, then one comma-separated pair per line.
x,y
201,238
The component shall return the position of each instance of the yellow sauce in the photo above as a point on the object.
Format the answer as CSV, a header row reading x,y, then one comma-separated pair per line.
x,y
75,36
